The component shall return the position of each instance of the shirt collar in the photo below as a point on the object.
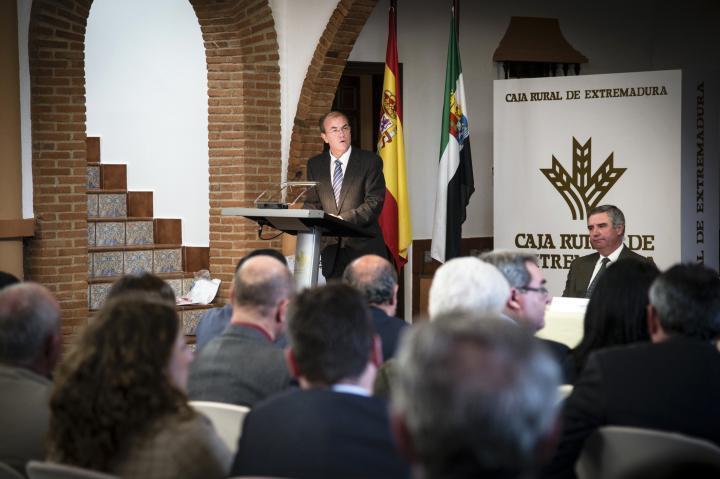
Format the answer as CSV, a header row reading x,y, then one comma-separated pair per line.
x,y
350,389
249,324
614,255
343,158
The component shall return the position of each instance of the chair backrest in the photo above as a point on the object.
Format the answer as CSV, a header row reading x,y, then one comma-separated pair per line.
x,y
226,418
52,470
8,472
615,452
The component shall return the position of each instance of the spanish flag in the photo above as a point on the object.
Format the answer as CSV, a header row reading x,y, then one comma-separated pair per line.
x,y
395,217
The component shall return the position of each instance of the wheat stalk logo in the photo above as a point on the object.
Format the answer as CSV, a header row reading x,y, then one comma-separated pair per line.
x,y
582,191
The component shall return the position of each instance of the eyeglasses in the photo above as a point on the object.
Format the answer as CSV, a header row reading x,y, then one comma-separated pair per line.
x,y
542,290
336,131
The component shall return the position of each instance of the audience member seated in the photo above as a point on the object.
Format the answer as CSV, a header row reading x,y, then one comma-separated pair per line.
x,y
243,366
528,294
29,350
331,427
670,384
376,279
616,313
7,279
145,283
119,404
214,321
468,284
460,284
474,396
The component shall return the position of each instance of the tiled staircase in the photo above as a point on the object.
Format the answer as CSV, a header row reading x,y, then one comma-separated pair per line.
x,y
124,237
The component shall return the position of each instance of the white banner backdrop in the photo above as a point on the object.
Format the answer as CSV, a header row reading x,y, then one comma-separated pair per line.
x,y
565,144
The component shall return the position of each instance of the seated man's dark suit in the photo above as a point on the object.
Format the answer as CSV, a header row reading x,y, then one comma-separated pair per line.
x,y
318,433
671,386
581,270
242,366
388,328
24,416
361,201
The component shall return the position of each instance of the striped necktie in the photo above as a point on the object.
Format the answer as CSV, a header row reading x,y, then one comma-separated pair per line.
x,y
603,267
337,181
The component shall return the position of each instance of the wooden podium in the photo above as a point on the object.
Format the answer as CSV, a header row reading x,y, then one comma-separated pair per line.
x,y
309,226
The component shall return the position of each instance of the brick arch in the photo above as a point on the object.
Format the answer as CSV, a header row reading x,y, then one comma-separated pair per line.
x,y
243,138
243,120
323,76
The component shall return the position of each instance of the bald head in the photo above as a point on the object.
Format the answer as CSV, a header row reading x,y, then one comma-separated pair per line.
x,y
261,283
374,277
29,327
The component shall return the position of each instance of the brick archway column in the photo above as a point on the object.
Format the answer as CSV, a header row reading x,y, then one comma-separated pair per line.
x,y
57,256
323,76
243,139
243,120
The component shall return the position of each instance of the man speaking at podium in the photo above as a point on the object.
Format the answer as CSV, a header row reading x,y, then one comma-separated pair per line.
x,y
352,187
606,227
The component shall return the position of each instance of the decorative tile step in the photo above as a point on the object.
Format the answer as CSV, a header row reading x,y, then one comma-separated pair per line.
x,y
121,260
92,147
106,190
107,176
119,232
107,205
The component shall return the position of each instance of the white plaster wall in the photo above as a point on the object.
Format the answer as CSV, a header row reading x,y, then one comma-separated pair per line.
x,y
146,82
616,36
299,26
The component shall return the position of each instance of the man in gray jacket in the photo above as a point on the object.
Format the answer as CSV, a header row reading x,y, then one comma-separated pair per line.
x,y
29,350
243,365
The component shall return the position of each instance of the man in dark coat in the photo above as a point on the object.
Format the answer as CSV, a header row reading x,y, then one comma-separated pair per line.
x,y
606,227
352,187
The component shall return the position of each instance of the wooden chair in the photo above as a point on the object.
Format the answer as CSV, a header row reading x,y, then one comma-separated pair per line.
x,y
226,418
615,452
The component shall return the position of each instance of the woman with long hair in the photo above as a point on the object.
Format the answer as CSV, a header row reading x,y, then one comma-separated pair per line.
x,y
119,404
616,312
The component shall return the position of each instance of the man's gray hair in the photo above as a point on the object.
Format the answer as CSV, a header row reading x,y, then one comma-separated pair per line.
x,y
512,264
616,216
476,394
468,284
376,281
687,300
28,316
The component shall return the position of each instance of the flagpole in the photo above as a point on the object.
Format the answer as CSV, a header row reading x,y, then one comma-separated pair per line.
x,y
456,14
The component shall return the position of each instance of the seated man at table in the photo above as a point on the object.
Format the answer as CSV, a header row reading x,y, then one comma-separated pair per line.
x,y
331,427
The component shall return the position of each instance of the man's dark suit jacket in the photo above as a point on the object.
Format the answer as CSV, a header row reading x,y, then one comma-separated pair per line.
x,y
389,329
671,386
361,201
241,366
318,433
581,270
